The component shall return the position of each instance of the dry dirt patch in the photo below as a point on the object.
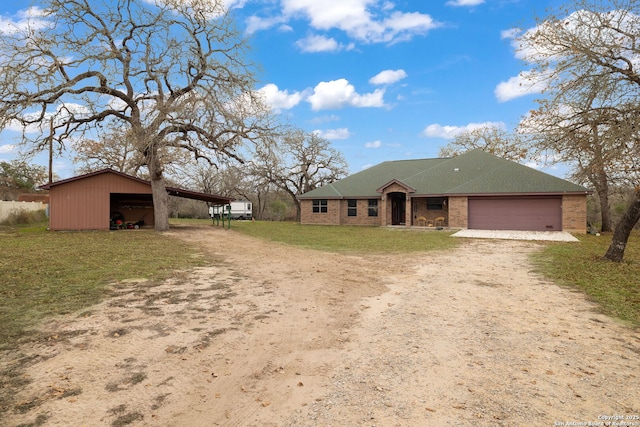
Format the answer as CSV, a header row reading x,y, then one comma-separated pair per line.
x,y
282,336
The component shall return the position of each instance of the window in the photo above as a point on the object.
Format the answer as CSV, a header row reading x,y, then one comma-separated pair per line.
x,y
435,204
352,208
373,207
320,206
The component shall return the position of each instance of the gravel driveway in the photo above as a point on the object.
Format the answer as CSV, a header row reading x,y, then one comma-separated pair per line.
x,y
273,335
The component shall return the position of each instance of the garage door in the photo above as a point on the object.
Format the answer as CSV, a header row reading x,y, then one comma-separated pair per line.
x,y
515,213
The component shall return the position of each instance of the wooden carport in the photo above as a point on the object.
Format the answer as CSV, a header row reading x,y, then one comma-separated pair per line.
x,y
89,201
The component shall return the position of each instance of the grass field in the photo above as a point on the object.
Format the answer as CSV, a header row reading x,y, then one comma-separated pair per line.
x,y
341,238
49,273
348,238
614,287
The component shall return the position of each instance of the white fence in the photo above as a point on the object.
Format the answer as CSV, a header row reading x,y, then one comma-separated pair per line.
x,y
7,208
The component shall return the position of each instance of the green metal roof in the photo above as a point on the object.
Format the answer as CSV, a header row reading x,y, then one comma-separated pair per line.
x,y
474,172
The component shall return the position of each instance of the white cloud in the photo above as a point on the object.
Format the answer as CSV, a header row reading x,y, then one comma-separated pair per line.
x,y
450,132
16,126
316,43
7,149
280,99
255,23
525,83
459,3
367,21
511,33
373,144
340,133
388,77
400,22
340,93
534,165
235,4
31,13
31,18
325,119
387,5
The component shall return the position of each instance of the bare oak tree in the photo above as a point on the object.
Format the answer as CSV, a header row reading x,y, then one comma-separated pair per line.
x,y
114,150
297,162
117,150
171,73
593,53
491,139
582,132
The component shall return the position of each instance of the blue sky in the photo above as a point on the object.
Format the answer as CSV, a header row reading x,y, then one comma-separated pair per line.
x,y
383,80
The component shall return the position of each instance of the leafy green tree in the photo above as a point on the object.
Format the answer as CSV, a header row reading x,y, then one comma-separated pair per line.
x,y
18,176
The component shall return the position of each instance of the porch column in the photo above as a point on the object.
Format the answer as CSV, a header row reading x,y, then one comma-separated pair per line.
x,y
382,210
408,213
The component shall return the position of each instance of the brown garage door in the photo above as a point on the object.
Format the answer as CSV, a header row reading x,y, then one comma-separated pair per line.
x,y
515,213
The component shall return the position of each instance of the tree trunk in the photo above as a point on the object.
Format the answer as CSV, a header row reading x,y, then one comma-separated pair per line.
x,y
623,230
605,212
159,193
160,204
601,184
602,188
298,209
295,200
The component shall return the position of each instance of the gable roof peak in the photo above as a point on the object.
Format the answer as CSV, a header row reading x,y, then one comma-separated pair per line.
x,y
398,182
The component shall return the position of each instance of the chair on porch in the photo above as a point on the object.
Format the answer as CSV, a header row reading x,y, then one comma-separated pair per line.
x,y
421,221
439,221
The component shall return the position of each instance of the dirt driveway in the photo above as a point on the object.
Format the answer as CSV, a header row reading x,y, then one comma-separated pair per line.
x,y
272,335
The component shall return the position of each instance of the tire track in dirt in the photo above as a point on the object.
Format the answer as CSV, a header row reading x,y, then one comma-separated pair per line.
x,y
472,337
293,346
272,335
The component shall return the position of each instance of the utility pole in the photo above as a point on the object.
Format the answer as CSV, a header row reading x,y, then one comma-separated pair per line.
x,y
51,150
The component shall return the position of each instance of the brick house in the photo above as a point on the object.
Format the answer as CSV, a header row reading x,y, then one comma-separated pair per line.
x,y
474,190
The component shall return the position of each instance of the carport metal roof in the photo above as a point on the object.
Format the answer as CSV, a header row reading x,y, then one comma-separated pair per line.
x,y
172,191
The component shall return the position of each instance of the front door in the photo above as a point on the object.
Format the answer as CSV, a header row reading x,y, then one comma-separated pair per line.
x,y
398,208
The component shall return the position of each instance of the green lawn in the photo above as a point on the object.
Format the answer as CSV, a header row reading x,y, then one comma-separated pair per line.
x,y
340,238
48,273
614,287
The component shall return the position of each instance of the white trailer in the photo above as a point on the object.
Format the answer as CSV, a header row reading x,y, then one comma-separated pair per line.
x,y
235,210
